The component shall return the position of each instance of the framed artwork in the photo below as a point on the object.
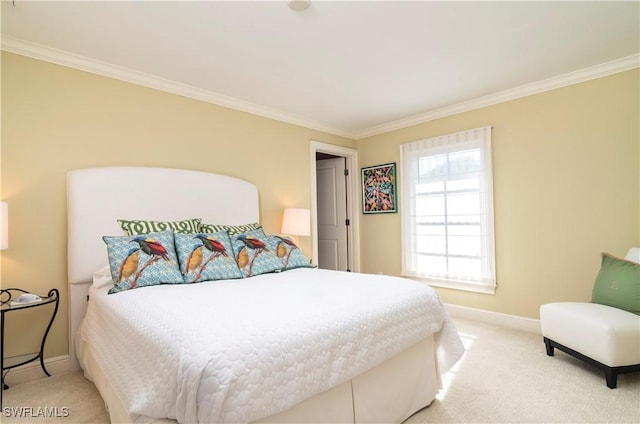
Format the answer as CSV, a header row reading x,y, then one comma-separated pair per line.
x,y
379,189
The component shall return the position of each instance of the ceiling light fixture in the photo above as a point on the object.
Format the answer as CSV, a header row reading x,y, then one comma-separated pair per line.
x,y
299,5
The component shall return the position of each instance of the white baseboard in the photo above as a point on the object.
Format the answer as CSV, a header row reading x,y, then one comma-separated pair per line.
x,y
33,371
496,318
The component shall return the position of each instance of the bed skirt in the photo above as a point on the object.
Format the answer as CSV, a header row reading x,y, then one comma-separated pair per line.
x,y
388,393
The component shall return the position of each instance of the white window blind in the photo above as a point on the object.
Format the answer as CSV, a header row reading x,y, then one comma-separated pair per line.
x,y
447,210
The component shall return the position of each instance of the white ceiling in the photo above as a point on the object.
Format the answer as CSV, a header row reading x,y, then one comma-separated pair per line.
x,y
352,68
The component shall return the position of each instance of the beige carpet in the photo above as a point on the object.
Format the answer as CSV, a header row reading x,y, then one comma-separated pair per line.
x,y
504,377
71,391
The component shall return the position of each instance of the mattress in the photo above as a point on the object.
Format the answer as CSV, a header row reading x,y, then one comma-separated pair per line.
x,y
241,350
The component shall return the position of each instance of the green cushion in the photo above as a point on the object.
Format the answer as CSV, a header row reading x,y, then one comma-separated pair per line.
x,y
137,226
618,284
231,229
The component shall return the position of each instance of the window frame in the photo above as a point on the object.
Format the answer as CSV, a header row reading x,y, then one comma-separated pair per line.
x,y
409,178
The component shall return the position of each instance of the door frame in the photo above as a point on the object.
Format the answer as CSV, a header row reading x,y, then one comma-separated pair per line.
x,y
353,211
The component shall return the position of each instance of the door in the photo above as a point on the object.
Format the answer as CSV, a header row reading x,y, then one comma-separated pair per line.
x,y
331,192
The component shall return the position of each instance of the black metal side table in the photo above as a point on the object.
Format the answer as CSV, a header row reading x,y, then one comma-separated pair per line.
x,y
6,297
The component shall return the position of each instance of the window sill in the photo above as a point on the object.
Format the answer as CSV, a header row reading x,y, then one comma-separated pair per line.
x,y
455,285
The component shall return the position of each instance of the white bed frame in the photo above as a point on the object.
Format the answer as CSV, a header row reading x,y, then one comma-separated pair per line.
x,y
97,197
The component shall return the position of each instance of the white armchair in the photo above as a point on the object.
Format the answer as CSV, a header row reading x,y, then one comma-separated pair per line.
x,y
604,336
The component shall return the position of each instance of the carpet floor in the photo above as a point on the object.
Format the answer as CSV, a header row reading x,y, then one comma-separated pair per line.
x,y
504,377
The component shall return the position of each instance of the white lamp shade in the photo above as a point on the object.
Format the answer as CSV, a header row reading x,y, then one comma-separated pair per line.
x,y
4,225
296,222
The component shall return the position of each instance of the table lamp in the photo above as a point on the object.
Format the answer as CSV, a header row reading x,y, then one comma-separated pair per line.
x,y
296,222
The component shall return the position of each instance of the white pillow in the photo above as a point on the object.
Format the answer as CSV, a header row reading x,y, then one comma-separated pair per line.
x,y
102,277
633,255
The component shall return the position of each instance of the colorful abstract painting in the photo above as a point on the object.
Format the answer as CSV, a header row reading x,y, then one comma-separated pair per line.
x,y
379,189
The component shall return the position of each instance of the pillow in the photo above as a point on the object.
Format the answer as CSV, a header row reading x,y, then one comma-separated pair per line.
x,y
142,260
252,254
102,277
231,229
135,227
618,284
206,257
288,252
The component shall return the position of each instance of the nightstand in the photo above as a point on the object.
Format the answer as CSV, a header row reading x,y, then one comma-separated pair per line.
x,y
7,296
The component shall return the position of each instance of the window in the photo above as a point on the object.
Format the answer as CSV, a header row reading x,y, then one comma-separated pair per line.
x,y
447,213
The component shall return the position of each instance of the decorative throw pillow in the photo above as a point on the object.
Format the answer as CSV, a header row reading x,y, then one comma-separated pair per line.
x,y
231,229
142,260
206,257
618,284
136,226
252,254
288,252
102,277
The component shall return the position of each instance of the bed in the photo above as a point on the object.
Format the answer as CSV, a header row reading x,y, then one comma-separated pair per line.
x,y
302,345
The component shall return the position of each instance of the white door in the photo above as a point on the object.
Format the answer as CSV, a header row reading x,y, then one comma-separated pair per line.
x,y
332,214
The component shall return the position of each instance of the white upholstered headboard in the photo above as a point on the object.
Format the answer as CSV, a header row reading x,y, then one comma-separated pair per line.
x,y
97,197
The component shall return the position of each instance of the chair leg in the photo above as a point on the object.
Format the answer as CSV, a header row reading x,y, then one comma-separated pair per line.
x,y
549,346
610,373
612,378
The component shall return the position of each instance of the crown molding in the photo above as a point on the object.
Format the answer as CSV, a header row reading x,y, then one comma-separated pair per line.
x,y
60,57
582,75
82,63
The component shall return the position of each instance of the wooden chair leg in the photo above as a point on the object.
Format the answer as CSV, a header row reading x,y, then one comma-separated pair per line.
x,y
549,346
612,378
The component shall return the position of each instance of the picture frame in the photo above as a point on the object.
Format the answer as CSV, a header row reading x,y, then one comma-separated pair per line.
x,y
379,193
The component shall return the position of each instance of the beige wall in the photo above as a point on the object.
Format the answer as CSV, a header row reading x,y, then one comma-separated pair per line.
x,y
567,178
55,119
566,188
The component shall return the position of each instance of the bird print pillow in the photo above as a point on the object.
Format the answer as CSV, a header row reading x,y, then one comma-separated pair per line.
x,y
252,254
142,260
288,252
206,257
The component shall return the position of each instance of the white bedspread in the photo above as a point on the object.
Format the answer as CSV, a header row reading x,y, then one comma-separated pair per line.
x,y
241,350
